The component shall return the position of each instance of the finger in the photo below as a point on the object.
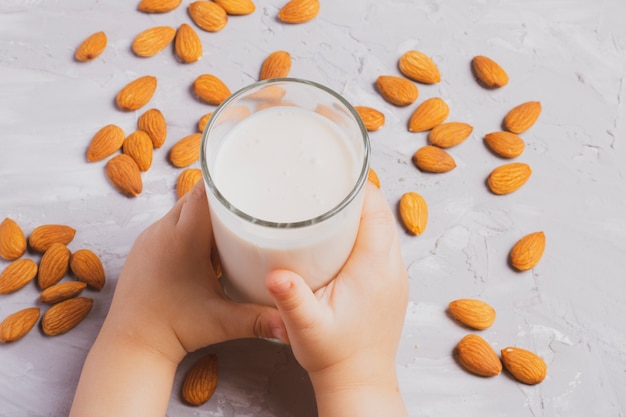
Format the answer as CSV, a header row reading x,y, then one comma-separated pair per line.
x,y
240,321
377,231
194,215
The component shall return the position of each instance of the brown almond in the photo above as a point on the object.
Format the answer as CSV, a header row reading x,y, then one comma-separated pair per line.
x,y
299,11
138,146
476,314
186,151
64,316
42,237
158,6
237,7
152,41
450,134
276,65
419,67
187,45
124,174
520,118
476,355
488,72
397,90
137,93
201,381
527,252
62,291
413,212
153,123
204,120
372,177
17,274
17,325
211,89
105,142
54,265
525,366
208,15
432,112
91,47
88,268
372,119
433,159
186,180
12,240
505,144
508,177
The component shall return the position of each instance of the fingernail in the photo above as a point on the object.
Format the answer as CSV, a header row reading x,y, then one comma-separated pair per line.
x,y
281,286
278,333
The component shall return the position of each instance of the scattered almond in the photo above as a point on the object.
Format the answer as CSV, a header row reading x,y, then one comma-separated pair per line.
x,y
137,93
473,313
522,117
105,142
54,265
158,6
419,67
524,365
201,381
17,325
505,144
414,212
432,112
476,355
186,180
152,41
397,90
450,134
12,240
91,47
138,146
204,120
488,72
299,11
17,274
62,291
45,235
64,316
153,123
237,7
208,15
88,268
372,177
433,159
124,174
527,252
186,151
211,89
508,177
372,118
276,65
187,45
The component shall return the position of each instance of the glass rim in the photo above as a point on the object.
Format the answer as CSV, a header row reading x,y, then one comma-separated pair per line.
x,y
358,186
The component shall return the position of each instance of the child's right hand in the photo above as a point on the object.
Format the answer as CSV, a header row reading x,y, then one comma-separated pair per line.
x,y
346,334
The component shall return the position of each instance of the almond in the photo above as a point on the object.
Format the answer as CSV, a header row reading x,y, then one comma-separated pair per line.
x,y
64,316
276,65
201,381
91,47
433,159
237,7
12,240
16,275
271,93
299,11
372,118
208,15
524,365
138,146
204,120
62,291
397,90
124,174
137,93
152,41
158,6
450,134
419,67
210,89
522,117
414,212
476,355
105,142
54,265
186,151
473,313
430,113
488,72
17,325
153,123
372,177
45,235
527,252
88,268
186,180
187,45
505,144
508,177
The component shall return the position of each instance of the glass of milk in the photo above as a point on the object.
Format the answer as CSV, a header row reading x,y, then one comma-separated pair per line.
x,y
285,162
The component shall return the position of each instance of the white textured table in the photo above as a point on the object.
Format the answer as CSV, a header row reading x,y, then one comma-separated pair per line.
x,y
570,309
